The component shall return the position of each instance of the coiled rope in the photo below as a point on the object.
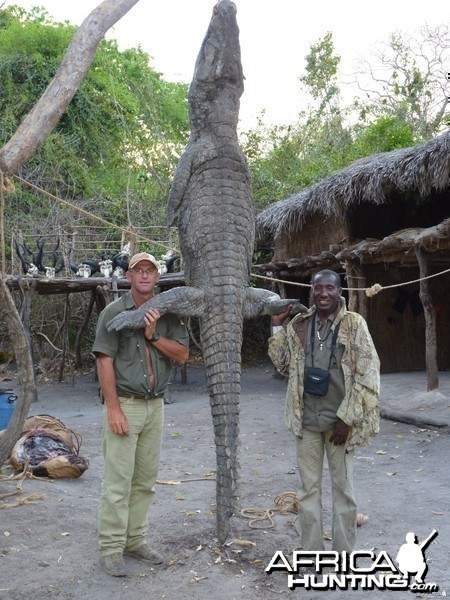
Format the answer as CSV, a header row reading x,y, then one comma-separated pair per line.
x,y
260,518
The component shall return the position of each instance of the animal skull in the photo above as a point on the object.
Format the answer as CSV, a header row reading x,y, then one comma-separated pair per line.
x,y
84,271
105,267
33,270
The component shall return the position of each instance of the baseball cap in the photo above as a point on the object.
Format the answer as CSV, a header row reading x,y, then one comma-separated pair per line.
x,y
140,256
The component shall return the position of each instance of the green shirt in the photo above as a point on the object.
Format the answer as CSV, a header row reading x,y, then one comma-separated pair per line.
x,y
127,348
320,412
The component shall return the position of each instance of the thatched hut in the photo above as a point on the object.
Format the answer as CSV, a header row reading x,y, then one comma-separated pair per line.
x,y
383,220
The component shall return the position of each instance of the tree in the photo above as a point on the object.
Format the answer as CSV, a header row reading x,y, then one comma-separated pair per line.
x,y
383,135
284,159
48,110
117,143
320,79
407,80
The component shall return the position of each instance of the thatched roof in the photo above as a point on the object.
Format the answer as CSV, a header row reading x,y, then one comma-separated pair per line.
x,y
422,170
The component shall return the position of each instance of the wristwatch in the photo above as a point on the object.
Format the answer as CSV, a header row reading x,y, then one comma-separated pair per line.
x,y
154,338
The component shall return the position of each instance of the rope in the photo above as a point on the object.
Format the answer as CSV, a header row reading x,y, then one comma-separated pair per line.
x,y
86,213
296,283
31,499
258,517
286,502
370,291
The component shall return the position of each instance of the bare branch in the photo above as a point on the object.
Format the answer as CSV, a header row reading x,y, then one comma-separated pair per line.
x,y
407,78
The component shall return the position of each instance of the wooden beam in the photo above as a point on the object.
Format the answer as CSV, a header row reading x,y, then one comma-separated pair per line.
x,y
66,285
423,260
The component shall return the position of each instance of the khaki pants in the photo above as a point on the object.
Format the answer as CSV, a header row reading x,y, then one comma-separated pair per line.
x,y
310,454
130,470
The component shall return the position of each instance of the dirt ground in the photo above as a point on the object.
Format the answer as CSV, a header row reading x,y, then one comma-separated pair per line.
x,y
48,549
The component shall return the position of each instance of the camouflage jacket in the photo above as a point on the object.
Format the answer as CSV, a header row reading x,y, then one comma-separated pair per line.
x,y
360,366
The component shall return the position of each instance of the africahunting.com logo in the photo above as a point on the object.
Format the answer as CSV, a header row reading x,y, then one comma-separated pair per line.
x,y
360,569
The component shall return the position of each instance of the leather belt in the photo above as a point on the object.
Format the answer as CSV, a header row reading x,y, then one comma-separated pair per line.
x,y
138,396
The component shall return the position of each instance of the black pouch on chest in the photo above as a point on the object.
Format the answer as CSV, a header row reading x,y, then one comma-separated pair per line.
x,y
317,381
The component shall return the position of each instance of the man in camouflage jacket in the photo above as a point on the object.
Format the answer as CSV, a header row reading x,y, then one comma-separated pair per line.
x,y
345,417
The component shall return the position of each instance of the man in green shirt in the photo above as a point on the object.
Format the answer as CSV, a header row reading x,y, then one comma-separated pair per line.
x,y
134,367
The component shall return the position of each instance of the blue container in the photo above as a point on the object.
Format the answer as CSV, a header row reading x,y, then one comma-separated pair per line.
x,y
7,406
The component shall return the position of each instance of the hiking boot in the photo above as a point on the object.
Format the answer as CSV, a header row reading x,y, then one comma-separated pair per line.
x,y
114,565
146,554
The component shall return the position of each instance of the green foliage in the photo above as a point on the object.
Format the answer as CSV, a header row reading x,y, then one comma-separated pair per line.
x,y
30,52
321,71
384,135
115,149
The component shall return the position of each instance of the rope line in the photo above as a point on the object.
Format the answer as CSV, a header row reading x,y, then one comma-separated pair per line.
x,y
370,291
261,518
85,212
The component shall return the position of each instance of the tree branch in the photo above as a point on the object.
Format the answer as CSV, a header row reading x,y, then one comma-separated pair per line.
x,y
53,103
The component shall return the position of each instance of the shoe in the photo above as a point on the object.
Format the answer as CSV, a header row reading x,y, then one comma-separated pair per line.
x,y
146,554
114,565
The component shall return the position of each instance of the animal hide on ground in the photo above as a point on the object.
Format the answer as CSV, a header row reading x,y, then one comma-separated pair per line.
x,y
48,448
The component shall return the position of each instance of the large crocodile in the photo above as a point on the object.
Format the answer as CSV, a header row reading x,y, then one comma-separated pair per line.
x,y
211,202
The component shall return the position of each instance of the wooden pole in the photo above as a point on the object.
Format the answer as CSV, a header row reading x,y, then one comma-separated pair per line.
x,y
360,281
352,282
82,329
65,337
430,321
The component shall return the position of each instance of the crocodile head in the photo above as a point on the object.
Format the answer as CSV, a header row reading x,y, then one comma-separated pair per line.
x,y
218,81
